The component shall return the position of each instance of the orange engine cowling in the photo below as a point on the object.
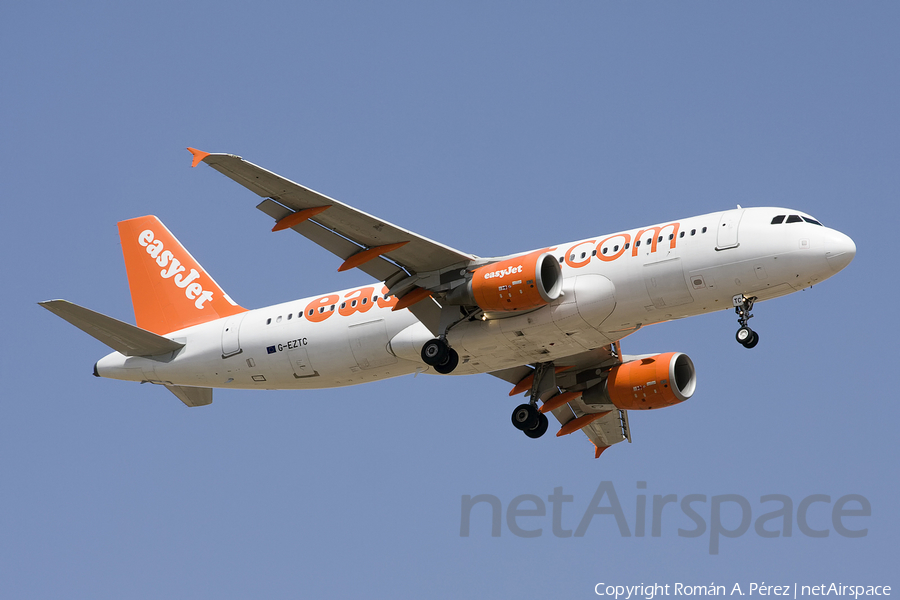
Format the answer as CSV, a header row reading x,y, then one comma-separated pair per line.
x,y
520,283
652,382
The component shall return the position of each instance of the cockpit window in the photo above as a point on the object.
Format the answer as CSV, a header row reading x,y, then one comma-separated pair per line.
x,y
778,220
813,221
794,219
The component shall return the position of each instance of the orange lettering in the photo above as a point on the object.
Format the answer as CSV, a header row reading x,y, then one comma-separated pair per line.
x,y
319,309
656,231
357,301
619,252
390,302
576,264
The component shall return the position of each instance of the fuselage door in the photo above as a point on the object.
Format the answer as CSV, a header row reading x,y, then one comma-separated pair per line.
x,y
231,341
727,234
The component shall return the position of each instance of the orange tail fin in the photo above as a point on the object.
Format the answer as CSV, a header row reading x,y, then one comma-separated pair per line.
x,y
169,288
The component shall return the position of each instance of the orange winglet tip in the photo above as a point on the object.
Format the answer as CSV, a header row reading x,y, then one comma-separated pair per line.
x,y
364,256
557,401
298,217
598,450
411,298
525,384
580,423
199,155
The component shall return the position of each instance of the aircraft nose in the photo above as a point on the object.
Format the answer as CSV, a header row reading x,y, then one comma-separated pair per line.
x,y
840,250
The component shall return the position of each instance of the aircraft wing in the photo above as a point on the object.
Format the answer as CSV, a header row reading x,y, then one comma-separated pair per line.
x,y
576,374
379,248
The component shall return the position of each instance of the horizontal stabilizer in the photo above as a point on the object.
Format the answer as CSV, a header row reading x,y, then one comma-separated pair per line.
x,y
118,335
192,396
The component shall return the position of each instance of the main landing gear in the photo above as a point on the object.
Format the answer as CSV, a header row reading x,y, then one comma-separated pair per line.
x,y
437,353
528,419
742,307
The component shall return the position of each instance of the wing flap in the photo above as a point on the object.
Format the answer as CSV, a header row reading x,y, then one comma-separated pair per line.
x,y
576,373
604,432
342,247
419,255
122,337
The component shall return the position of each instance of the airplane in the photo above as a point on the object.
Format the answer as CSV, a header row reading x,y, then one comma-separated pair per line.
x,y
549,321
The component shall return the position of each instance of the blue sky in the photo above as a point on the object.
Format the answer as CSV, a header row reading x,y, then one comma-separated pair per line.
x,y
492,128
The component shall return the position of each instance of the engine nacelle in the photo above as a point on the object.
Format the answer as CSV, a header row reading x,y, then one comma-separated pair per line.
x,y
521,283
652,382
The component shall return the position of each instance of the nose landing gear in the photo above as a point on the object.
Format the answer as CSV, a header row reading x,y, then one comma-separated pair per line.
x,y
742,307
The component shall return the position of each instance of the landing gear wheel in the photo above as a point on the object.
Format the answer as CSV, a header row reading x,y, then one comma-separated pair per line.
x,y
742,307
452,361
747,337
526,417
436,352
754,339
540,429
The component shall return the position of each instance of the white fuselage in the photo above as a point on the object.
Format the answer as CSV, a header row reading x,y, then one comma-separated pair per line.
x,y
613,285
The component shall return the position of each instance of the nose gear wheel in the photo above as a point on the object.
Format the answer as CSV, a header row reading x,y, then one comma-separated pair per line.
x,y
742,307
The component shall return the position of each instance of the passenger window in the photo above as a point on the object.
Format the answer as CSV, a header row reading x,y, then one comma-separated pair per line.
x,y
794,219
269,321
637,243
649,240
365,300
278,320
616,248
353,304
659,241
603,251
594,253
561,261
778,220
290,316
681,235
703,230
671,236
627,244
321,309
583,254
332,308
572,258
693,231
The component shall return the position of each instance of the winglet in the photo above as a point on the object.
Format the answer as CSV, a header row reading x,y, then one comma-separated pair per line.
x,y
598,450
199,155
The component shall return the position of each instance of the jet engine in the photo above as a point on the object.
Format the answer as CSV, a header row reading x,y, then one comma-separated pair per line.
x,y
651,382
520,283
